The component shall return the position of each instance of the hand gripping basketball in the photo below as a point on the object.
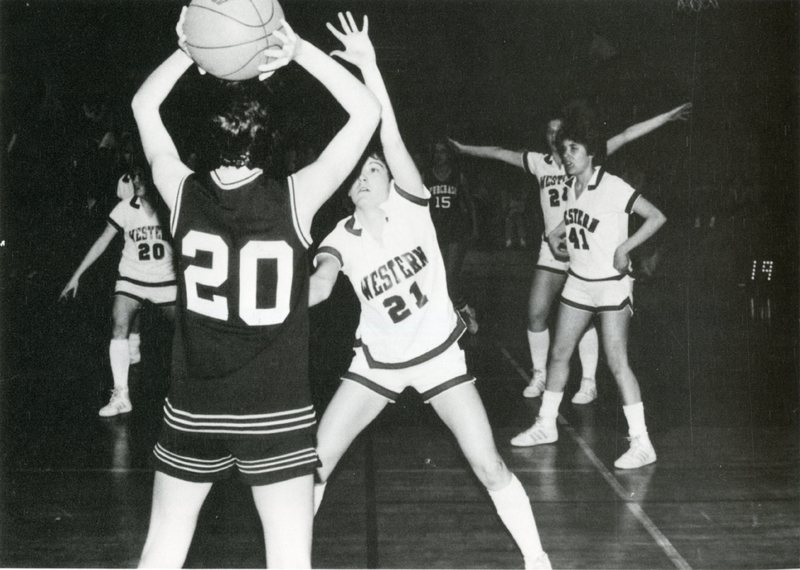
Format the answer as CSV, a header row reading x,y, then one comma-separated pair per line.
x,y
280,55
227,38
182,38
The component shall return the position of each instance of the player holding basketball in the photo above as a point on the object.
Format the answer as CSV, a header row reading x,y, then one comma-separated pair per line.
x,y
146,273
453,214
239,399
408,328
550,273
595,229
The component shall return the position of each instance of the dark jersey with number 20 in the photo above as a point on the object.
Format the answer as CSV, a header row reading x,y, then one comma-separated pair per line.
x,y
240,355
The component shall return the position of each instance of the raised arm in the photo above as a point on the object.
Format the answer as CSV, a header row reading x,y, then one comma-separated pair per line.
x,y
322,280
319,180
633,132
512,157
159,148
360,52
653,220
97,249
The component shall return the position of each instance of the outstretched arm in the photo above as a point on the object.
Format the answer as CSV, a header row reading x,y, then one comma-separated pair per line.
x,y
159,148
322,280
512,157
633,132
319,180
653,220
360,52
97,249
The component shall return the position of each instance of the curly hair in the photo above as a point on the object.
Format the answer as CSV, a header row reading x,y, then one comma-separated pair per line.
x,y
581,124
239,126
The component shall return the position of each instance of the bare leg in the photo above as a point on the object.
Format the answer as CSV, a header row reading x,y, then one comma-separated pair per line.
x,y
569,329
287,518
615,342
352,408
545,287
615,345
123,313
173,518
462,411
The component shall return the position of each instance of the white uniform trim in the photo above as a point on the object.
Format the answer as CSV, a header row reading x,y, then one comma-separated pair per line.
x,y
176,208
304,233
192,464
287,461
276,422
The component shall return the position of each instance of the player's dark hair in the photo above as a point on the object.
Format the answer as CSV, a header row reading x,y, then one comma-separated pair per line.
x,y
581,124
240,125
373,150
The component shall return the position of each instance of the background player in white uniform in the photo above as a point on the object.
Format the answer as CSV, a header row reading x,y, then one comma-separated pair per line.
x,y
408,329
595,229
241,344
550,273
146,273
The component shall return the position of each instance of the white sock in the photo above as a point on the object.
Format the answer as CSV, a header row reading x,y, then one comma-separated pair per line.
x,y
550,403
319,492
514,509
635,416
539,344
588,350
120,361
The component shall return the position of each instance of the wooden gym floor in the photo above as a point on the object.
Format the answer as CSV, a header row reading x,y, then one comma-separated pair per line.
x,y
718,367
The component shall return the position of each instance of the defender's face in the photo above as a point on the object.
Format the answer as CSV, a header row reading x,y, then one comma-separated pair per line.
x,y
552,131
371,188
139,188
575,158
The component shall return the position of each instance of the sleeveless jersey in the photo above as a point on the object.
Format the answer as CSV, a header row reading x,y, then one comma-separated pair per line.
x,y
146,253
240,355
596,224
407,316
552,187
448,206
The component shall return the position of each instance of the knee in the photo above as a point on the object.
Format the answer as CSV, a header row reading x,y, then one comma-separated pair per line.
x,y
119,331
120,326
537,317
493,473
560,353
617,364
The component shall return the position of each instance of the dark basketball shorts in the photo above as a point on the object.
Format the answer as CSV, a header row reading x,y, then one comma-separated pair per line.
x,y
256,459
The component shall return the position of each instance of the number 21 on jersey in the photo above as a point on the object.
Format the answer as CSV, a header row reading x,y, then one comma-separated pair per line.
x,y
216,275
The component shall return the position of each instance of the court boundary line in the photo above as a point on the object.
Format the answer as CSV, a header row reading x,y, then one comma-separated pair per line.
x,y
635,508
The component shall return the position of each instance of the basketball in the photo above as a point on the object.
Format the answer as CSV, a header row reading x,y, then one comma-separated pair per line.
x,y
227,38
